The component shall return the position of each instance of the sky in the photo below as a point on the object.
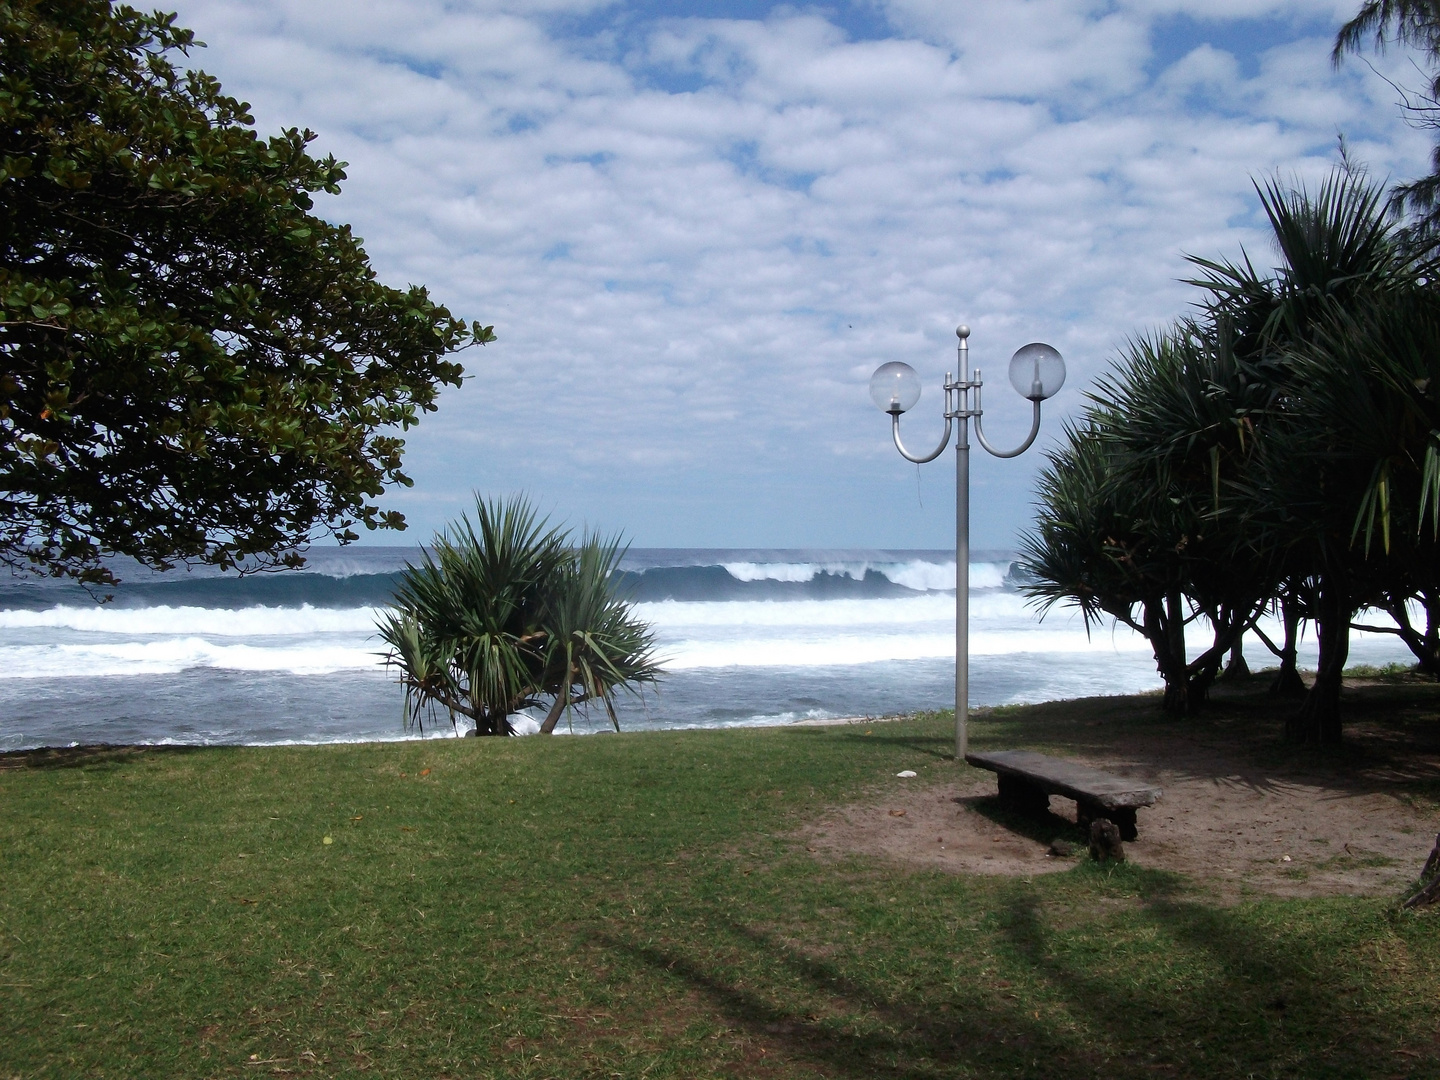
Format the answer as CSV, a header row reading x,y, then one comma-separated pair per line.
x,y
698,227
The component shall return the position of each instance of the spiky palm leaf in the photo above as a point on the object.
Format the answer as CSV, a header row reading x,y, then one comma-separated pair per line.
x,y
1334,246
595,644
499,610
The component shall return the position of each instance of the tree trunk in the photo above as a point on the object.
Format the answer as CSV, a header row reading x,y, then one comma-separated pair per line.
x,y
1230,624
1429,885
1318,721
488,723
1425,645
557,707
1288,682
1236,669
1430,660
1165,630
1187,685
1200,676
491,725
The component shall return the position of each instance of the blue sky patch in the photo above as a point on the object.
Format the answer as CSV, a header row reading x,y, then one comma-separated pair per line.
x,y
1173,37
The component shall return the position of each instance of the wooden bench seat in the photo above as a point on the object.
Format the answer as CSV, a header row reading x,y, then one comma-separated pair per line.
x,y
1027,780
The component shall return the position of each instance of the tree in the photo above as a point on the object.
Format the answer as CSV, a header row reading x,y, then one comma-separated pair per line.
x,y
1132,521
1184,411
1340,257
1373,378
1095,547
1282,449
193,366
1415,23
501,614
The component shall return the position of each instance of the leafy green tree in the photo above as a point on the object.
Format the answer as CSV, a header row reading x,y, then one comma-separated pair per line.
x,y
193,365
504,613
1185,412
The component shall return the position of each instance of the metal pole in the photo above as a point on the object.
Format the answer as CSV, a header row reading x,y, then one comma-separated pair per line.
x,y
962,593
959,406
962,553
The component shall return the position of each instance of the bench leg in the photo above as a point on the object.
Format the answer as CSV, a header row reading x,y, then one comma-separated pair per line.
x,y
1024,797
1123,817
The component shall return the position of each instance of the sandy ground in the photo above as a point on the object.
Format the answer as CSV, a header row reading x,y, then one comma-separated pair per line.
x,y
1223,821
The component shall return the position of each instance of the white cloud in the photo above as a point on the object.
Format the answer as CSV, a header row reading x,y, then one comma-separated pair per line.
x,y
696,237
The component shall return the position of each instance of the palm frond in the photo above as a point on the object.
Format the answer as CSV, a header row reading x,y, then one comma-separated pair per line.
x,y
502,612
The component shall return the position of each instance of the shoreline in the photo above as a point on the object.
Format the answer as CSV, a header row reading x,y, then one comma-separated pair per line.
x,y
80,749
837,721
1362,675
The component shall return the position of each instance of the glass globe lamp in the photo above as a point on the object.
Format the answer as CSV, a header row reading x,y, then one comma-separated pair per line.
x,y
1036,371
895,388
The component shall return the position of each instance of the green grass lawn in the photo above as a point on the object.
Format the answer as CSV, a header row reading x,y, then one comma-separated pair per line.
x,y
638,906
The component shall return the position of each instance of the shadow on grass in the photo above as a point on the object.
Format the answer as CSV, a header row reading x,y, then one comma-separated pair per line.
x,y
1265,1004
1154,985
852,1028
84,757
935,746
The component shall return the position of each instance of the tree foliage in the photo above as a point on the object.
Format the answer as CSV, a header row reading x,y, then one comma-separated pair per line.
x,y
1132,522
1279,451
193,365
505,613
1414,23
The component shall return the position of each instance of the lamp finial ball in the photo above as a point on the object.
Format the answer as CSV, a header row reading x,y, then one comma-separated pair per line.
x,y
962,331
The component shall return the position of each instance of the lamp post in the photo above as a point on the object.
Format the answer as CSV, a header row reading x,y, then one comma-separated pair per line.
x,y
1037,372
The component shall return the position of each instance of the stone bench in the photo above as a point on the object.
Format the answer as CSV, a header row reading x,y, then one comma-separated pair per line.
x,y
1027,780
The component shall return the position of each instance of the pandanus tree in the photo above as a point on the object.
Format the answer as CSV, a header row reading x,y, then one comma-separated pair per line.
x,y
1343,260
1094,547
1136,519
508,613
1271,450
1185,414
1373,378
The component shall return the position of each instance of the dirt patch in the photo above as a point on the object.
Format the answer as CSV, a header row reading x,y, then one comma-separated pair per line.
x,y
1226,822
941,827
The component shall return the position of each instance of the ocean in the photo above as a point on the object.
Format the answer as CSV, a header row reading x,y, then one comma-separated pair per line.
x,y
750,637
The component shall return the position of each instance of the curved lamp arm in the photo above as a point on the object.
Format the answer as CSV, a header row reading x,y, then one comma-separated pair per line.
x,y
944,439
1034,430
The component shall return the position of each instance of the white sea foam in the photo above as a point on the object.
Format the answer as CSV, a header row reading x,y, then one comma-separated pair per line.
x,y
172,655
96,642
749,571
780,719
811,633
930,575
859,648
895,611
926,575
918,574
300,641
216,622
